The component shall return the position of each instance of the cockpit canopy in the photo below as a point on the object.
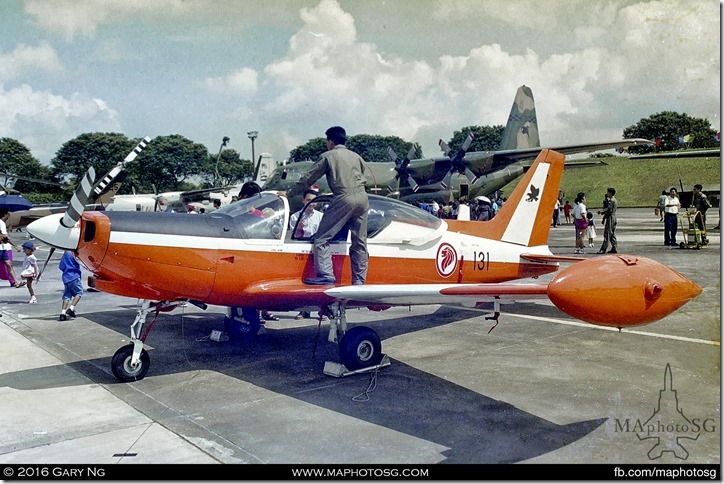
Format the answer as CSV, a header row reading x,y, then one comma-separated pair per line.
x,y
390,221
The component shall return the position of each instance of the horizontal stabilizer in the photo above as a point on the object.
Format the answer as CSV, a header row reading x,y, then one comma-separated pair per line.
x,y
550,258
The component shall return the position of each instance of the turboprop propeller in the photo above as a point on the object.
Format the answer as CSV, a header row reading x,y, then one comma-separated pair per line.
x,y
458,162
401,167
85,191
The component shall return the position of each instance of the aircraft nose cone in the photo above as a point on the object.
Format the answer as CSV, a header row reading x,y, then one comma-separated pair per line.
x,y
49,230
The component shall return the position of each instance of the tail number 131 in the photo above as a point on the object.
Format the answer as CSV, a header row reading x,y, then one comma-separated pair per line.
x,y
481,261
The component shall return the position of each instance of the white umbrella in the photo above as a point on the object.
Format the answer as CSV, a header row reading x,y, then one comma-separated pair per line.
x,y
483,199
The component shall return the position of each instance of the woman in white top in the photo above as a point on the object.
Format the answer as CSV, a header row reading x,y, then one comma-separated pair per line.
x,y
580,221
671,218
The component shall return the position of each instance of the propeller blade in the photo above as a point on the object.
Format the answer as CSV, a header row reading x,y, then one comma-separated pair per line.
x,y
79,200
412,152
444,147
472,177
50,254
413,184
111,176
445,183
468,141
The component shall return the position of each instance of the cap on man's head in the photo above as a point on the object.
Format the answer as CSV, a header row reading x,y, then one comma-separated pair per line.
x,y
28,245
698,186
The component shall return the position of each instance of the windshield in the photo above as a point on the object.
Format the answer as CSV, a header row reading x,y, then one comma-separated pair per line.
x,y
259,217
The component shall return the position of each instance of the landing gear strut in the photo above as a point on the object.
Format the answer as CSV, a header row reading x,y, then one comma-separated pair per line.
x,y
131,362
360,348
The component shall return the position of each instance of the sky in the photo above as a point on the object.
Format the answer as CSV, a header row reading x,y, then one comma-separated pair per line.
x,y
290,69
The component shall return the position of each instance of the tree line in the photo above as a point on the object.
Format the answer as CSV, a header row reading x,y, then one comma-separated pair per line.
x,y
171,163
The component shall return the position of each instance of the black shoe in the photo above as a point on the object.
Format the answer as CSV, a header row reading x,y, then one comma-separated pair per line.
x,y
320,281
63,317
70,313
613,251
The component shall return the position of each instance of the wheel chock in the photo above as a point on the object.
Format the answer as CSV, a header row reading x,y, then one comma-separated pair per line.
x,y
338,370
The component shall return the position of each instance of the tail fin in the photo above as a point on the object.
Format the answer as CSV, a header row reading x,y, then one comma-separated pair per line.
x,y
525,218
106,196
521,131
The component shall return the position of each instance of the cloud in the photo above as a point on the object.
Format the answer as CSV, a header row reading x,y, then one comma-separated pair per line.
x,y
84,17
594,67
241,81
26,58
619,52
40,118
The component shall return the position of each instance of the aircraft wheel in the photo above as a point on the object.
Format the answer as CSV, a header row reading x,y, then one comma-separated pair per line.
x,y
121,365
360,347
239,330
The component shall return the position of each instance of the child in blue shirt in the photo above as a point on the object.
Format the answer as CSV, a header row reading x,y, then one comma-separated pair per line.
x,y
72,283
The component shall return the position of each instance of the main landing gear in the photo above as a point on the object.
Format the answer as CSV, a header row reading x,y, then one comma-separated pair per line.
x,y
360,348
131,362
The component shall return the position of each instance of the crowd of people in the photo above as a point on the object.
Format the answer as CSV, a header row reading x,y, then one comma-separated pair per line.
x,y
481,208
668,209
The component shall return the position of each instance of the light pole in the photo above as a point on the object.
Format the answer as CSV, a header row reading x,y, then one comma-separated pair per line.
x,y
224,142
252,136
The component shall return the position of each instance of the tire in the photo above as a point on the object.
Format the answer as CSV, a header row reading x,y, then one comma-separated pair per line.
x,y
682,245
237,330
360,347
121,365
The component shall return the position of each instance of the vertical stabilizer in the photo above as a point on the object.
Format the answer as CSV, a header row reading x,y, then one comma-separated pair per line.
x,y
521,130
526,216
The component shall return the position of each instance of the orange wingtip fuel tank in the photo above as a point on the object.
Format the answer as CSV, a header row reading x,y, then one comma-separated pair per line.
x,y
620,290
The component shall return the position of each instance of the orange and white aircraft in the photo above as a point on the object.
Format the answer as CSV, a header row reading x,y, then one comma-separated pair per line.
x,y
235,258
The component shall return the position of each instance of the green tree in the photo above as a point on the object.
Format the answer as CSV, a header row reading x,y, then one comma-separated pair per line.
x,y
16,159
667,127
371,148
308,151
167,163
232,169
102,151
485,138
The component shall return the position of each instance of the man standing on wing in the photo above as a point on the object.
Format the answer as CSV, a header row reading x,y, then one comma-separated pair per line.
x,y
344,170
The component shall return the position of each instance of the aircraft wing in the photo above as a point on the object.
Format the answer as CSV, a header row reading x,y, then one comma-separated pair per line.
x,y
531,153
414,294
680,154
202,194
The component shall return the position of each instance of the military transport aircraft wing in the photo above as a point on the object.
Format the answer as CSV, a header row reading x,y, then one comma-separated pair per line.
x,y
680,154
